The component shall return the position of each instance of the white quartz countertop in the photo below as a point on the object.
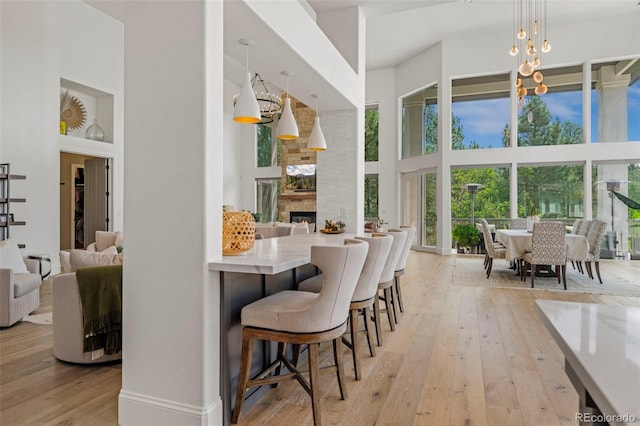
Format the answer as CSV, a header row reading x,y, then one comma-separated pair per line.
x,y
602,345
273,255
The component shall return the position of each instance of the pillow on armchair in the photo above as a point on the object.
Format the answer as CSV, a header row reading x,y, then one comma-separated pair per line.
x,y
10,257
104,240
85,259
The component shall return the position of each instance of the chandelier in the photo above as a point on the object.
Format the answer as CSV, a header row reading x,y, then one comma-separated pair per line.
x,y
268,103
529,42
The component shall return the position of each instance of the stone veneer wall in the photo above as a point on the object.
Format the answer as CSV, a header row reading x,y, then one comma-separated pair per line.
x,y
295,152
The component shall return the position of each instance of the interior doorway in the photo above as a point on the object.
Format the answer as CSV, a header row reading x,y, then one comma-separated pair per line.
x,y
85,203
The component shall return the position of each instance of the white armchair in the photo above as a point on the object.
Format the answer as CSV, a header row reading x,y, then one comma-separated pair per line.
x,y
19,293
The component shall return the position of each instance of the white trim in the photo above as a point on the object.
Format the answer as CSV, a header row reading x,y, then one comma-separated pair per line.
x,y
138,409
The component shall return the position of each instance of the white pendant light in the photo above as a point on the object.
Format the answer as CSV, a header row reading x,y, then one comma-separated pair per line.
x,y
287,128
246,109
316,140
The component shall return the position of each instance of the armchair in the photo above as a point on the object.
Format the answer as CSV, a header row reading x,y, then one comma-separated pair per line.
x,y
19,293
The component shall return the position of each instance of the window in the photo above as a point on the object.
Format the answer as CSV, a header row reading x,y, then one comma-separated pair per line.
x,y
551,192
491,201
371,118
371,197
480,111
622,218
554,118
267,192
420,123
615,101
268,152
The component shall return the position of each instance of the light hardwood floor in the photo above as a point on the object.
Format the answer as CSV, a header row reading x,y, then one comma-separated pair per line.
x,y
460,355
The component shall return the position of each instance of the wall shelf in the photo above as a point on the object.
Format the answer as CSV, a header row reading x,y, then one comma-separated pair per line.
x,y
6,214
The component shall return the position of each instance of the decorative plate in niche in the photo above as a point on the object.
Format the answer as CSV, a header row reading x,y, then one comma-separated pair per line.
x,y
72,111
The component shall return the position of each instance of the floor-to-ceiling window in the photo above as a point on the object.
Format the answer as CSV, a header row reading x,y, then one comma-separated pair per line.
x,y
420,123
419,206
267,192
480,111
551,192
554,118
480,193
615,101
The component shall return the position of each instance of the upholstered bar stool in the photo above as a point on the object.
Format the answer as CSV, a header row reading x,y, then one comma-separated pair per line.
x,y
364,294
300,317
386,284
402,263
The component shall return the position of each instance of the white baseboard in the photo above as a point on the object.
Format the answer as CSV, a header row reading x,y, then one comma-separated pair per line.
x,y
136,409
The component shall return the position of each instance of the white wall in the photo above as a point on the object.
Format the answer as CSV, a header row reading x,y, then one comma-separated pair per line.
x,y
40,43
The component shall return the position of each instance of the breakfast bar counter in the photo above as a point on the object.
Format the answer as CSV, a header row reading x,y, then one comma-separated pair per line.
x,y
272,265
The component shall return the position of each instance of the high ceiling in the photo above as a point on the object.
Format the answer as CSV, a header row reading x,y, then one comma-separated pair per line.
x,y
399,29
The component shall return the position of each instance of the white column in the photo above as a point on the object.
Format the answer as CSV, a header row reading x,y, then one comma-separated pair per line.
x,y
172,223
613,127
340,179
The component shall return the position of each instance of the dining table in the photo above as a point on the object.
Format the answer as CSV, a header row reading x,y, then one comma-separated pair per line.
x,y
518,242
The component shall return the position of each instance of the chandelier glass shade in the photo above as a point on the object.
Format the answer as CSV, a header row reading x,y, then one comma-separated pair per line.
x,y
529,43
268,103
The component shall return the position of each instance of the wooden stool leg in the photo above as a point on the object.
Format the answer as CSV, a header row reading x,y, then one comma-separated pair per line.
x,y
388,301
337,356
353,322
314,382
281,355
243,377
296,354
367,328
376,319
399,294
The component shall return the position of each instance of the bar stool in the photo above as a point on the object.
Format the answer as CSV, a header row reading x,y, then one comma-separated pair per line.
x,y
364,294
386,283
300,317
402,263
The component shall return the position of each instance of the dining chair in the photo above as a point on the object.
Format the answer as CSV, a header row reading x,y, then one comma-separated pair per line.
x,y
576,228
493,251
496,244
595,237
364,294
518,223
300,317
548,247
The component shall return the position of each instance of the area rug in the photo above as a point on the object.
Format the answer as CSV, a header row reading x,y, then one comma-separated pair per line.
x,y
617,279
43,319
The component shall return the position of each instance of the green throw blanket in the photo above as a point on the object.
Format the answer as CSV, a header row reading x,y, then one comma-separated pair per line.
x,y
100,290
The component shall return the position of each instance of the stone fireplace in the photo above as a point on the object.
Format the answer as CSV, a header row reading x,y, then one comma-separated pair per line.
x,y
294,152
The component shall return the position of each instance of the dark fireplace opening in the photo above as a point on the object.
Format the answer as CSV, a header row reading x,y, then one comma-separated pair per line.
x,y
300,217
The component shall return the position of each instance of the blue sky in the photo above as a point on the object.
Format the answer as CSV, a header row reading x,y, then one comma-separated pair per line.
x,y
484,121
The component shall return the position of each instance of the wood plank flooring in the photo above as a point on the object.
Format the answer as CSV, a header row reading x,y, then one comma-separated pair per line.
x,y
460,356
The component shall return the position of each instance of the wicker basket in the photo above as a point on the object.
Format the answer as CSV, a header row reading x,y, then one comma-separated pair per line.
x,y
238,232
